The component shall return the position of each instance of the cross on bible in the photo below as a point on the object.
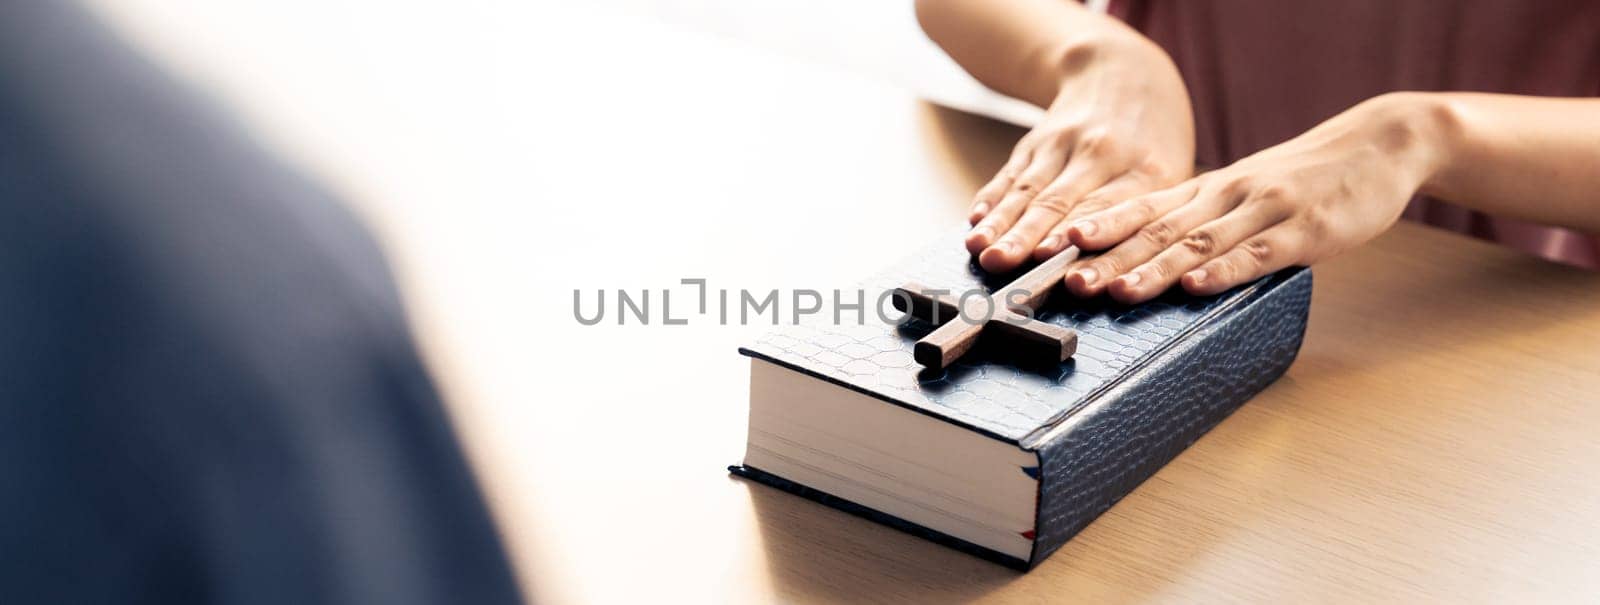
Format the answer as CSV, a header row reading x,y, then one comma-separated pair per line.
x,y
1003,318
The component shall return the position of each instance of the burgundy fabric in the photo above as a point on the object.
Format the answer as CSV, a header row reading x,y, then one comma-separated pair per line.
x,y
1262,71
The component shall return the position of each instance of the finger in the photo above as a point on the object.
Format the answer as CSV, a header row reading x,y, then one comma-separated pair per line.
x,y
989,195
1201,244
1281,246
1108,195
1108,227
1092,277
1044,166
1045,211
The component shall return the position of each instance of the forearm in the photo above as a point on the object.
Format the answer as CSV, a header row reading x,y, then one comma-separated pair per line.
x,y
1024,48
1531,158
1341,184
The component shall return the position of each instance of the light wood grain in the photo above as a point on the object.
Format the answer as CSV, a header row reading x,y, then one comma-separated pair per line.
x,y
1435,440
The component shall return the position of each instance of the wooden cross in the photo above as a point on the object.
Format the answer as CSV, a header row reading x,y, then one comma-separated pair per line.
x,y
1003,318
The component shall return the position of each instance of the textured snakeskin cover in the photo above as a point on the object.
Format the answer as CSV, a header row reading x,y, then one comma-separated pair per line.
x,y
1095,457
1147,380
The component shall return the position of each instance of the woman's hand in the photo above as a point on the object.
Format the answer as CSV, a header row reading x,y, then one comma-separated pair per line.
x,y
1120,126
1332,188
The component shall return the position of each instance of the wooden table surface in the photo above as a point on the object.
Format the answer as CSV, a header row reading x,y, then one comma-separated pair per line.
x,y
1434,441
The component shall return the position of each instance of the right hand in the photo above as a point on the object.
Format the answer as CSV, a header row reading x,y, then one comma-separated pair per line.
x,y
1119,127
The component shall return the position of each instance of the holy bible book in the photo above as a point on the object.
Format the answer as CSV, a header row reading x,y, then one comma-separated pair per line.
x,y
998,459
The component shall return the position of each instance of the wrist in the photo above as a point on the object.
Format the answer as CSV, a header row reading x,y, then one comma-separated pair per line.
x,y
1418,130
1082,55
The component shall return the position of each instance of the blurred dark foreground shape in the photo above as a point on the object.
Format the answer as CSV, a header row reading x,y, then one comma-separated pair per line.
x,y
207,388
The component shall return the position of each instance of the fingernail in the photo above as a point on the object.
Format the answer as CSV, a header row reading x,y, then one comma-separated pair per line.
x,y
981,208
1007,246
1131,279
1088,275
1084,227
1197,276
1049,243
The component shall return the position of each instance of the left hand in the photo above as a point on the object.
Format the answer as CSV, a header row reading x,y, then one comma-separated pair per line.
x,y
1323,192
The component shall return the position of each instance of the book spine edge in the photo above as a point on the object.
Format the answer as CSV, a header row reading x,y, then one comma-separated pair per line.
x,y
1103,455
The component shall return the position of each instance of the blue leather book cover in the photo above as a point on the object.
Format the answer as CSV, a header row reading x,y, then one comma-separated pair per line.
x,y
1146,381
